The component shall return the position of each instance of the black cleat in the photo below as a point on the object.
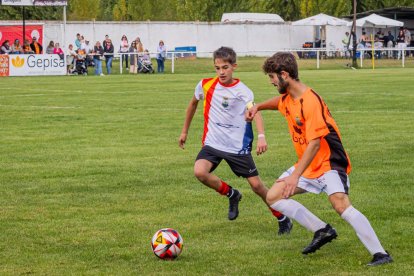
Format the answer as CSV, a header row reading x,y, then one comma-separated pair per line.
x,y
285,226
234,204
380,258
321,237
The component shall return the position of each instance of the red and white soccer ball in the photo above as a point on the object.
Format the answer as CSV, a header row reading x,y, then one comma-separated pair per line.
x,y
167,244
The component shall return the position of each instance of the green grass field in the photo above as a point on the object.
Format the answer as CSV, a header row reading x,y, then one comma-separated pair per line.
x,y
90,168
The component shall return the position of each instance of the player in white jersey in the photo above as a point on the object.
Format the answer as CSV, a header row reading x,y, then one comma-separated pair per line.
x,y
227,135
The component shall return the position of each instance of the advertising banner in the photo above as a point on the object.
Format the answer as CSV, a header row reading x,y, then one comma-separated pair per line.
x,y
4,65
35,65
34,2
12,32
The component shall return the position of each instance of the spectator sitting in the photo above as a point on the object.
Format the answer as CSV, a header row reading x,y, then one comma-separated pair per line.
x,y
26,47
58,51
5,47
16,47
50,48
36,46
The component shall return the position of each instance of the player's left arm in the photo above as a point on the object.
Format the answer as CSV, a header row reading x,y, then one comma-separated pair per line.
x,y
261,146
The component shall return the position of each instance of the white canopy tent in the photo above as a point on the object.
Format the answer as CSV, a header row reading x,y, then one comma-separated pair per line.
x,y
377,21
320,20
251,17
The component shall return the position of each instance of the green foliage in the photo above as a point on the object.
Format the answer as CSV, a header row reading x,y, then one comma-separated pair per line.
x,y
193,10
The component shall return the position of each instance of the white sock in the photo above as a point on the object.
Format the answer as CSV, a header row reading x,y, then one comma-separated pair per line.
x,y
363,230
298,212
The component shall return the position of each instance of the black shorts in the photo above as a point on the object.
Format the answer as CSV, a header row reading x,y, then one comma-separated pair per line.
x,y
241,164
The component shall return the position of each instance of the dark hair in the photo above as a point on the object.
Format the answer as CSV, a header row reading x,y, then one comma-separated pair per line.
x,y
282,61
226,54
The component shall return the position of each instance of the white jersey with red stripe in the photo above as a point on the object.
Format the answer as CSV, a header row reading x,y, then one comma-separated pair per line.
x,y
225,127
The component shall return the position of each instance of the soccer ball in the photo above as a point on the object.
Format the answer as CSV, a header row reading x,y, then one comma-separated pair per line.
x,y
167,244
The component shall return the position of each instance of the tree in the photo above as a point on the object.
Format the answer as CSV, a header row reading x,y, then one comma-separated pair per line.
x,y
83,9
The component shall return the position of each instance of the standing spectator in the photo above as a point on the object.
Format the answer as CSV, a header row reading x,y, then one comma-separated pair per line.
x,y
133,57
390,43
83,43
70,59
58,51
364,38
161,54
5,47
378,45
105,41
98,52
88,51
109,55
401,43
78,41
407,35
140,50
123,49
16,47
345,43
26,47
50,48
36,46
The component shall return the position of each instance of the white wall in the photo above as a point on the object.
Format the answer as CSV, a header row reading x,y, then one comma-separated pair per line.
x,y
260,39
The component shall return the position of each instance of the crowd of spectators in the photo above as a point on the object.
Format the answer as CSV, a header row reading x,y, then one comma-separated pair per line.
x,y
21,48
133,56
381,41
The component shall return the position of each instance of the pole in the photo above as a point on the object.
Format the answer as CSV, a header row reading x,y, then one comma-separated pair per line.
x,y
64,37
317,59
354,39
373,52
24,24
172,62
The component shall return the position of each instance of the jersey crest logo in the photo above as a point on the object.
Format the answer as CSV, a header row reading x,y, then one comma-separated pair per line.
x,y
225,102
298,122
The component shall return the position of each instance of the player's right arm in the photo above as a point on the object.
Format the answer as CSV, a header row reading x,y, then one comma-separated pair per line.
x,y
189,114
270,104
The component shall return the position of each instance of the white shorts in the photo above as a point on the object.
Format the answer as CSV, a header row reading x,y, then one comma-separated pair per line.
x,y
330,182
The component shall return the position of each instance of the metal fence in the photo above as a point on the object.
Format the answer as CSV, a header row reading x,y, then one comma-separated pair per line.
x,y
318,58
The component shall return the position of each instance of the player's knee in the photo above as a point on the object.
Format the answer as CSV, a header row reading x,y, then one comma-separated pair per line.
x,y
201,175
273,195
340,202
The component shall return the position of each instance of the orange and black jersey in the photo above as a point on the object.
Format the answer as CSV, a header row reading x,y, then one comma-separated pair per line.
x,y
309,118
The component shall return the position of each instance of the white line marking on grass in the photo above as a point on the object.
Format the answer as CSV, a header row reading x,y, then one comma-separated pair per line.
x,y
42,107
375,111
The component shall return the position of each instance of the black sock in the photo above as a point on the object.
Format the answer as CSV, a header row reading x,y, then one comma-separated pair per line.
x,y
232,192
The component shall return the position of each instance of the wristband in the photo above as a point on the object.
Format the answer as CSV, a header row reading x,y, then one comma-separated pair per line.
x,y
250,105
261,135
